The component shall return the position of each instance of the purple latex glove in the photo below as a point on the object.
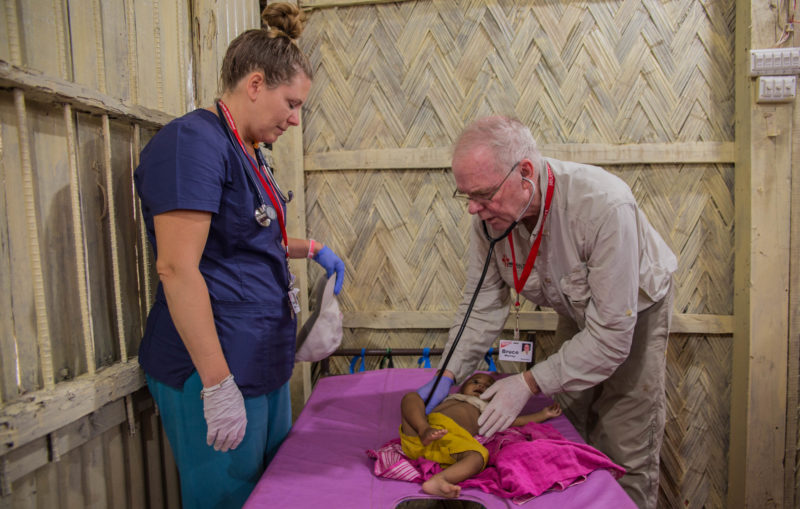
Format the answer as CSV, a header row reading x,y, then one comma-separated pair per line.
x,y
331,263
223,408
442,390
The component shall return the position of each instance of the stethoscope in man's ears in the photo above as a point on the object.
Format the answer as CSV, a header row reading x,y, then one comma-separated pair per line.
x,y
265,213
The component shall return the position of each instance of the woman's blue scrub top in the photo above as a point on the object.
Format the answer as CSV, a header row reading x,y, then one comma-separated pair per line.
x,y
192,164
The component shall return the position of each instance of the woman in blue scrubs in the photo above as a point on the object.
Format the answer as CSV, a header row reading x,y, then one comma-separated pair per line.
x,y
218,348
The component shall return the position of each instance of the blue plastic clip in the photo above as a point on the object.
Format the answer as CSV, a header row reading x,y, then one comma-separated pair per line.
x,y
490,361
426,358
356,359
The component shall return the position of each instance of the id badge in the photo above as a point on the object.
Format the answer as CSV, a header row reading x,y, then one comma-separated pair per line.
x,y
517,351
294,294
294,299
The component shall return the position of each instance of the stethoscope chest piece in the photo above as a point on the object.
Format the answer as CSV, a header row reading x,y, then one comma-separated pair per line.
x,y
265,215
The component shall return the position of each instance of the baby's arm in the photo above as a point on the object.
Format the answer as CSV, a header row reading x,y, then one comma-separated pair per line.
x,y
542,415
415,422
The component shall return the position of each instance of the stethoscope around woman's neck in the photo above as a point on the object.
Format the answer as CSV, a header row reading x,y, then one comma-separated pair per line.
x,y
492,242
265,213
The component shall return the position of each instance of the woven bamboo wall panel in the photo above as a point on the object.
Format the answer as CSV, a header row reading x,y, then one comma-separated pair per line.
x,y
694,455
411,74
404,239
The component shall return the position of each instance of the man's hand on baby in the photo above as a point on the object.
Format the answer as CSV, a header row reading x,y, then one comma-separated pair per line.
x,y
508,396
431,435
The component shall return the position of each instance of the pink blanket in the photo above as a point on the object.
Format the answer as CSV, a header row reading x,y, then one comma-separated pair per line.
x,y
524,462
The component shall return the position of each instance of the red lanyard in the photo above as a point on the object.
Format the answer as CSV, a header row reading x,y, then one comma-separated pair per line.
x,y
267,185
519,282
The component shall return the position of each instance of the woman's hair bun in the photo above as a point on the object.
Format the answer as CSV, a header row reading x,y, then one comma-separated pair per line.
x,y
283,17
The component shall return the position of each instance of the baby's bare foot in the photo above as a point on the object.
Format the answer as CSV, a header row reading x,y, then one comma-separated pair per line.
x,y
438,486
432,434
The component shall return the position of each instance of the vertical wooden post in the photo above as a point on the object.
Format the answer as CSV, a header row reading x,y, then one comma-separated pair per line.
x,y
792,497
288,155
145,252
14,50
78,240
99,48
32,221
761,278
157,59
186,91
112,234
133,58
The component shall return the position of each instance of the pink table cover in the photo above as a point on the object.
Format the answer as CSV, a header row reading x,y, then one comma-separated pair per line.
x,y
323,464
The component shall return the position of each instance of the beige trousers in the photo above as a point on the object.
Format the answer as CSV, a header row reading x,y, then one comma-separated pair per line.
x,y
624,415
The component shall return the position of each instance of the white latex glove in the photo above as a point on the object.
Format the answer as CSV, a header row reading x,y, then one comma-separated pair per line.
x,y
223,408
508,396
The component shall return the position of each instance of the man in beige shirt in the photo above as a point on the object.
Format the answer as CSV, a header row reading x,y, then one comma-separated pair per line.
x,y
598,263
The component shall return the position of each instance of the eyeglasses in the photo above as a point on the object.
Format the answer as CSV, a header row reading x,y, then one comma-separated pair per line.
x,y
487,195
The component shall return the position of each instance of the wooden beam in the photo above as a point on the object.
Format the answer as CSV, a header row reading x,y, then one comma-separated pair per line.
x,y
323,4
41,88
533,320
792,497
591,153
377,159
42,412
643,153
761,277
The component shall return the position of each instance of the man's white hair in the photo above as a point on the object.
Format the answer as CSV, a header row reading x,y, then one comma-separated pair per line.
x,y
508,139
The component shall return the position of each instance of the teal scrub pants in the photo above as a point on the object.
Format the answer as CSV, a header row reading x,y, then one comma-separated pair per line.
x,y
211,479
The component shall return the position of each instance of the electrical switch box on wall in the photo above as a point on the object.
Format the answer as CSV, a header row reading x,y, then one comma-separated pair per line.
x,y
775,61
776,88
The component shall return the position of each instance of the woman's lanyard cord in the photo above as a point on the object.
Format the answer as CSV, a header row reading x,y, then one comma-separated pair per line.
x,y
225,115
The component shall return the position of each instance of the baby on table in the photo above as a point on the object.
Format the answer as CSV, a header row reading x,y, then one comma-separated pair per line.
x,y
446,434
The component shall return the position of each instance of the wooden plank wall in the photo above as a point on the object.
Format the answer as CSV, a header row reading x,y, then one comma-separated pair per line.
x,y
645,89
764,409
84,84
